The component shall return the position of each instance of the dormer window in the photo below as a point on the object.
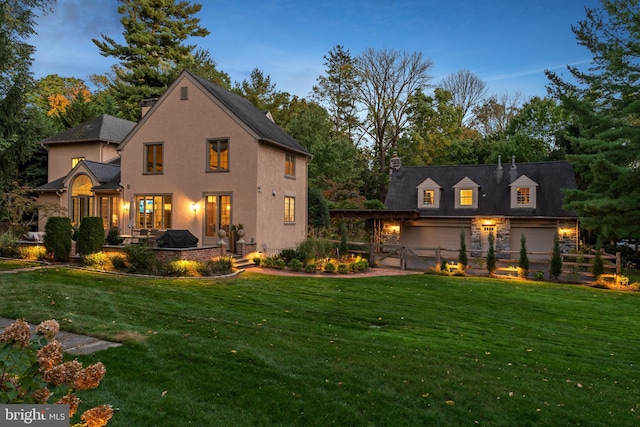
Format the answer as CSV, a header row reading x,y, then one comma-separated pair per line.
x,y
523,193
466,194
428,194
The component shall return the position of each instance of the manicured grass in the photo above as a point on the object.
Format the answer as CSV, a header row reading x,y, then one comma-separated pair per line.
x,y
381,351
10,264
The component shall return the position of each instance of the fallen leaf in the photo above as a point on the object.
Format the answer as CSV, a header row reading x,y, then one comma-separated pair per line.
x,y
164,393
450,402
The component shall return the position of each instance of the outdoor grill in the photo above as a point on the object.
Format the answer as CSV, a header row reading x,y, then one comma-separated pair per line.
x,y
177,239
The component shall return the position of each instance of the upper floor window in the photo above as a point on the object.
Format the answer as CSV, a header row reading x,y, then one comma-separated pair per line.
x,y
75,161
523,193
218,155
466,194
290,165
153,158
289,209
184,92
429,194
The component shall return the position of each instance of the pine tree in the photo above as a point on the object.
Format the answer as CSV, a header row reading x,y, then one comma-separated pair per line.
x,y
154,53
556,259
523,262
598,263
491,256
462,253
606,110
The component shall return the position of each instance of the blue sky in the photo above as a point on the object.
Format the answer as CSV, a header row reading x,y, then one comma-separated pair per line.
x,y
507,43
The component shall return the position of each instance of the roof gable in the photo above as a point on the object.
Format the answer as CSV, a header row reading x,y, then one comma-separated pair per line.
x,y
104,128
428,183
466,182
524,181
253,119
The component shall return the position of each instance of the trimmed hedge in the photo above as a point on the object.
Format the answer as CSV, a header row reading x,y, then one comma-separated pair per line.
x,y
90,238
57,238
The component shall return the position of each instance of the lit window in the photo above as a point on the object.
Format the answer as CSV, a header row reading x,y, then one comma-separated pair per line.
x,y
523,196
218,155
108,206
81,199
153,158
289,209
428,198
153,211
75,161
290,165
466,197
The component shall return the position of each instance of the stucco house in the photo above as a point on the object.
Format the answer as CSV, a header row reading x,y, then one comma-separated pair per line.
x,y
429,207
200,159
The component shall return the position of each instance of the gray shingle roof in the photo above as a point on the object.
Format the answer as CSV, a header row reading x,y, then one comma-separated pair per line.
x,y
103,128
108,174
494,197
251,116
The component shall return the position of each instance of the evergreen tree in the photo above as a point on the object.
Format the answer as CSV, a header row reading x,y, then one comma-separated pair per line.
x,y
154,53
462,253
491,255
598,263
556,259
338,91
523,262
263,94
318,210
606,111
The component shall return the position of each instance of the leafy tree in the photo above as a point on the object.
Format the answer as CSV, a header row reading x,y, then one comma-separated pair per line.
x,y
435,123
605,111
21,124
335,159
338,91
466,88
462,253
154,51
493,116
491,255
318,210
523,262
556,259
387,79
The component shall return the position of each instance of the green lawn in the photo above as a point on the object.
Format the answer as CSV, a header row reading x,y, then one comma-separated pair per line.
x,y
419,350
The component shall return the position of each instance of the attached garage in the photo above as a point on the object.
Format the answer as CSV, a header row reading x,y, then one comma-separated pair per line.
x,y
444,234
539,238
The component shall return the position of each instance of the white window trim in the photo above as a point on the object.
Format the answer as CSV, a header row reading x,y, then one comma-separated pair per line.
x,y
523,182
429,185
466,184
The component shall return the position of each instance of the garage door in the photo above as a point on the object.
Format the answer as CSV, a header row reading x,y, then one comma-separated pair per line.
x,y
434,237
538,240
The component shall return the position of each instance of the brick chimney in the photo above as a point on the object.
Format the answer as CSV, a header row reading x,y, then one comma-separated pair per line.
x,y
395,163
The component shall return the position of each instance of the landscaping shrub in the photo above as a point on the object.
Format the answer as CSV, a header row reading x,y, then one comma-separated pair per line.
x,y
316,248
491,256
359,265
8,244
219,266
556,259
113,237
90,237
119,262
97,260
36,252
310,267
343,268
57,238
462,253
295,265
330,267
290,254
141,259
257,260
183,268
274,262
523,262
598,263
